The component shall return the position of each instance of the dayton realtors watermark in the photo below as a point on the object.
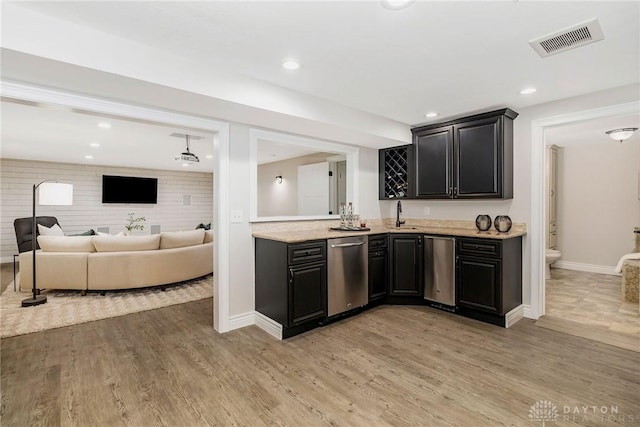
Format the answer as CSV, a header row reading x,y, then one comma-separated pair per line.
x,y
545,411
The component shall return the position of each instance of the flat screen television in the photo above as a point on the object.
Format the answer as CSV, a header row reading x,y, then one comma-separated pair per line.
x,y
129,189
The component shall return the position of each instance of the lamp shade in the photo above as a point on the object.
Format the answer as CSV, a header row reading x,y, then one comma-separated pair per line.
x,y
55,194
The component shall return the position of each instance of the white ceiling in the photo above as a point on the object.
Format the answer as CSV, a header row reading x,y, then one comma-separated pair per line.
x,y
450,57
453,57
593,131
55,134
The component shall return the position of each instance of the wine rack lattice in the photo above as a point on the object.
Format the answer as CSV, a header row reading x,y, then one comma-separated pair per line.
x,y
396,176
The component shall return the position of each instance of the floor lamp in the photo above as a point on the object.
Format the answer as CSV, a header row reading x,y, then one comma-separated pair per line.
x,y
52,194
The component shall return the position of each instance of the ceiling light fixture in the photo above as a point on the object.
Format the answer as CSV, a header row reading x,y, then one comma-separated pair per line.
x,y
290,64
431,115
621,134
209,156
187,156
185,165
88,156
94,145
528,91
104,125
396,4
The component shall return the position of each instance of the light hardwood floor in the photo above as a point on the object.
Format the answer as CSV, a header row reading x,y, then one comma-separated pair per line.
x,y
392,365
590,305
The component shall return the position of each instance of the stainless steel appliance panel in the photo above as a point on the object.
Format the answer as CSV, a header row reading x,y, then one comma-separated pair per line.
x,y
347,274
439,269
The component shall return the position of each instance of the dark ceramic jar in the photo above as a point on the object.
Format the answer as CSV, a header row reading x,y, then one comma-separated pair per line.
x,y
502,223
483,222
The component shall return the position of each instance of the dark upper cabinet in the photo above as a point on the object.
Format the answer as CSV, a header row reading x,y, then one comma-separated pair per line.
x,y
434,160
396,172
467,158
406,265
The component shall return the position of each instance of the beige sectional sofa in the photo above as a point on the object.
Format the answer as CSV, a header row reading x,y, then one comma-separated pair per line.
x,y
118,262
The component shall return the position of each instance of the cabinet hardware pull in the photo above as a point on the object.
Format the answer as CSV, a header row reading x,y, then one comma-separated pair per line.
x,y
347,245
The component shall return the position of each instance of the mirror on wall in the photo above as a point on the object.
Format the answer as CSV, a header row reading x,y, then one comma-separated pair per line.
x,y
299,178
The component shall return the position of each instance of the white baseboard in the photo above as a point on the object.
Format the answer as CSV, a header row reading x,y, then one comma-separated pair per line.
x,y
513,316
526,311
268,325
590,268
241,320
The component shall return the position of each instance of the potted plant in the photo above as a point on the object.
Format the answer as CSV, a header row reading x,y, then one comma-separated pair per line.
x,y
134,223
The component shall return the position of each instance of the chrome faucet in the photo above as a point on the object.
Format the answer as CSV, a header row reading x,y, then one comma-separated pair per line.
x,y
399,222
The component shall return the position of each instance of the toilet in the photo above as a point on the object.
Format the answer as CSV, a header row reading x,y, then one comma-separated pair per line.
x,y
551,256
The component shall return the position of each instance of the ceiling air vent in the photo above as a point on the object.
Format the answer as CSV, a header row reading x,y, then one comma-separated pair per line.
x,y
578,35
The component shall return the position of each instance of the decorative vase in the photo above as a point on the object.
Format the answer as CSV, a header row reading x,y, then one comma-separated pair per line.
x,y
502,223
483,222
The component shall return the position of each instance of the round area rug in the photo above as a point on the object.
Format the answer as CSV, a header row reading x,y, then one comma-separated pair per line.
x,y
65,308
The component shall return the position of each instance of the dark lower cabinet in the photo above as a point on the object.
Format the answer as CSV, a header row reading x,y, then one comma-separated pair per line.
x,y
488,277
405,251
291,283
378,268
479,283
307,293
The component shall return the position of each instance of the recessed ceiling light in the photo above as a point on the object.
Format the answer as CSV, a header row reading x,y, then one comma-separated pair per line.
x,y
104,125
528,90
94,145
186,165
88,156
431,115
396,4
209,156
290,64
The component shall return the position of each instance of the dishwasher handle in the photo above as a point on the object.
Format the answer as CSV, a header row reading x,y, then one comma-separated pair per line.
x,y
347,245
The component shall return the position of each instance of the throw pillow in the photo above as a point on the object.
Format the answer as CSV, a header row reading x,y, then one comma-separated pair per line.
x,y
55,230
181,239
66,244
100,233
126,243
86,233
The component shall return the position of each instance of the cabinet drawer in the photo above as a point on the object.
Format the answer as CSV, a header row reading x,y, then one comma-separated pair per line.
x,y
307,252
482,247
377,242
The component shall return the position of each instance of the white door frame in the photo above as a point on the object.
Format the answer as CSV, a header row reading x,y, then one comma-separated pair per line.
x,y
538,202
221,169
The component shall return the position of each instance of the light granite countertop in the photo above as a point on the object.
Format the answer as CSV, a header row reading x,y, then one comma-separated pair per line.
x,y
298,234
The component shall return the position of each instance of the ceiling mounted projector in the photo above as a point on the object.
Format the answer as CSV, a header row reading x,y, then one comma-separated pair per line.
x,y
187,155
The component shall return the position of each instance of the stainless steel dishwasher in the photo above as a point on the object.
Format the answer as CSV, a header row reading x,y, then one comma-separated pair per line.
x,y
347,274
439,270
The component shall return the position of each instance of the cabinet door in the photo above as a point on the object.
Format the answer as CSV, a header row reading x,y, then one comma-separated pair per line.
x,y
478,283
434,157
307,292
406,265
378,274
478,158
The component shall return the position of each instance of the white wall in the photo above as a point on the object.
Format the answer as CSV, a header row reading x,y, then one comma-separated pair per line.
x,y
241,251
87,211
598,204
276,199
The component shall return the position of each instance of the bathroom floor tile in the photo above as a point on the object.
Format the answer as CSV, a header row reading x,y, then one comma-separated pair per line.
x,y
592,300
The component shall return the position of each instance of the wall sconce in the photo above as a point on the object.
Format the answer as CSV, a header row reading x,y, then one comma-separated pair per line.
x,y
621,134
279,179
